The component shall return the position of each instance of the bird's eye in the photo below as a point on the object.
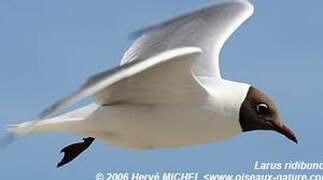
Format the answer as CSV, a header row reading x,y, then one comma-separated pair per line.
x,y
263,108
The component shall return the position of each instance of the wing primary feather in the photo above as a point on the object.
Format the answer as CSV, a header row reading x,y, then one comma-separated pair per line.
x,y
139,32
207,28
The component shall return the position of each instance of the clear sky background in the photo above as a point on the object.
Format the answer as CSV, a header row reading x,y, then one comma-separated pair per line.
x,y
48,48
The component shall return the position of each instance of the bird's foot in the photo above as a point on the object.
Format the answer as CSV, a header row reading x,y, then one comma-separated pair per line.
x,y
73,150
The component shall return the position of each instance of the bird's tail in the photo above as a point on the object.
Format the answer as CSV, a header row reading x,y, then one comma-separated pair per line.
x,y
20,129
57,124
70,122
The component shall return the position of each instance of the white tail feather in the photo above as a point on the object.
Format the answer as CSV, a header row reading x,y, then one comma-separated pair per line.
x,y
70,122
20,129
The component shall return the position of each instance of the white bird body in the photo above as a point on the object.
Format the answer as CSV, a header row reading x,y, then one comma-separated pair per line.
x,y
167,92
148,127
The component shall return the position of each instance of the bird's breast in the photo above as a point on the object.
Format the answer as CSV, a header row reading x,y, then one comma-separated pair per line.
x,y
160,127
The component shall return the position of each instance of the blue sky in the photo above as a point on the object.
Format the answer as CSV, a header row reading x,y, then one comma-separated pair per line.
x,y
48,48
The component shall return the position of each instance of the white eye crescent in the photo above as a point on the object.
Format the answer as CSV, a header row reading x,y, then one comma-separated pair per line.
x,y
263,108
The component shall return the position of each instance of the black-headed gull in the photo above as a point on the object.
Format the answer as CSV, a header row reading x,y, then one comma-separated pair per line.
x,y
167,92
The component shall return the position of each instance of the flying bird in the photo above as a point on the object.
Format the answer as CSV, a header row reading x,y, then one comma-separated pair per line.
x,y
167,92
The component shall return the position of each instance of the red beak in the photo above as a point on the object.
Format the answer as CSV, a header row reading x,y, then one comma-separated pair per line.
x,y
284,130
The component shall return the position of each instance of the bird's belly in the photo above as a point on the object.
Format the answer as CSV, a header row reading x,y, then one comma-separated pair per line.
x,y
150,127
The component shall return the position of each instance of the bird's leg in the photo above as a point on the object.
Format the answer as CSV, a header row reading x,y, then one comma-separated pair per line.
x,y
73,150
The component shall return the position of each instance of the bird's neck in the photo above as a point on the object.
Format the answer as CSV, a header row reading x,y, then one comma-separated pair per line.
x,y
226,97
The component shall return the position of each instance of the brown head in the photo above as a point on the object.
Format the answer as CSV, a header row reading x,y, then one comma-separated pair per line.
x,y
258,112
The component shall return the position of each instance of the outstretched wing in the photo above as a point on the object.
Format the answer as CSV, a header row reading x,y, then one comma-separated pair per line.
x,y
163,56
158,74
207,28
